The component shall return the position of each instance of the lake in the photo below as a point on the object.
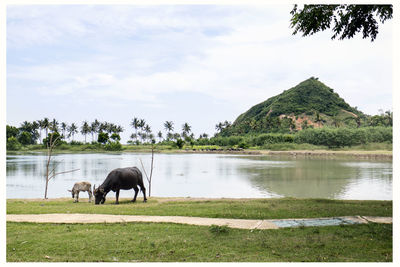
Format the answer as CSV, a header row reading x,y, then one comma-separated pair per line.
x,y
209,175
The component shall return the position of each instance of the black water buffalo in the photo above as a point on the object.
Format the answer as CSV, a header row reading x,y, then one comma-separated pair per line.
x,y
121,178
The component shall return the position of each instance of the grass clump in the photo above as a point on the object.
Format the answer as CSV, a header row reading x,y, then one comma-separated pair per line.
x,y
219,229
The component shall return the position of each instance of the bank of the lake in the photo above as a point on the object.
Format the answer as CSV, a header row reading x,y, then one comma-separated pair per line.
x,y
166,242
244,208
374,150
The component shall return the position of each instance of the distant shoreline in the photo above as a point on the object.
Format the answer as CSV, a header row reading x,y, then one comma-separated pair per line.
x,y
295,153
379,154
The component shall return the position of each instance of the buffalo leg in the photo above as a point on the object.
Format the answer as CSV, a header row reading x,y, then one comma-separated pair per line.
x,y
144,194
117,196
76,197
136,193
90,195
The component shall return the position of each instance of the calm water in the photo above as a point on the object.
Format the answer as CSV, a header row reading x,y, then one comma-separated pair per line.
x,y
209,175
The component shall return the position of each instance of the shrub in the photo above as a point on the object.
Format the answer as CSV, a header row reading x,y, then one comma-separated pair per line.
x,y
63,147
243,145
115,137
179,143
379,134
11,131
340,137
113,146
13,144
217,229
102,138
75,143
272,138
25,138
234,140
56,138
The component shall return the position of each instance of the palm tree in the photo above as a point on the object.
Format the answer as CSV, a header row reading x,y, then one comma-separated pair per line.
x,y
388,118
40,127
135,123
73,129
142,124
46,125
64,127
142,136
169,127
103,127
204,135
53,125
219,127
176,136
111,128
151,138
118,129
147,131
170,136
25,126
134,136
159,135
31,128
85,129
227,124
94,127
186,128
35,127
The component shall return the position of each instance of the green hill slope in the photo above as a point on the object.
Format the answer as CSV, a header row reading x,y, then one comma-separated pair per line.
x,y
309,104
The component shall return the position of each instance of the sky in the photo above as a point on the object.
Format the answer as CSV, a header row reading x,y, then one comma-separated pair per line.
x,y
200,64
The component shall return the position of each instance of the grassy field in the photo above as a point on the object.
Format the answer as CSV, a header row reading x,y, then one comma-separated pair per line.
x,y
216,208
166,242
150,242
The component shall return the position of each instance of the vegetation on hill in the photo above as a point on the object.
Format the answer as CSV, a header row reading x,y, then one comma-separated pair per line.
x,y
310,104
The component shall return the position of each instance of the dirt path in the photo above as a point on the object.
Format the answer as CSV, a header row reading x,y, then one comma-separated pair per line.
x,y
233,223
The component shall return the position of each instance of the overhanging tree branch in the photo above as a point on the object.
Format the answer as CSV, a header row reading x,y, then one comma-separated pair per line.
x,y
347,20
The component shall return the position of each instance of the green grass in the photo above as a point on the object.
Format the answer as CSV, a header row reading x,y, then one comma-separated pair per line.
x,y
150,242
165,242
216,208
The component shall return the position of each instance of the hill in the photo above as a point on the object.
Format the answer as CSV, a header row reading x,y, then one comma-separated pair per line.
x,y
309,104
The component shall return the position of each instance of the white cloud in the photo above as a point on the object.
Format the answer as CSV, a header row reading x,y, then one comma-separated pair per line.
x,y
239,56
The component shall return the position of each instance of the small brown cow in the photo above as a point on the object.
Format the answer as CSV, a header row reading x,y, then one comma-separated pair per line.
x,y
81,186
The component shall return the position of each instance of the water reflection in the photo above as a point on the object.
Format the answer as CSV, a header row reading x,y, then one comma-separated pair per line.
x,y
209,175
321,178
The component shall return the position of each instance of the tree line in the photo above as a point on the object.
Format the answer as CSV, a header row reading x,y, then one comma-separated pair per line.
x,y
279,130
30,133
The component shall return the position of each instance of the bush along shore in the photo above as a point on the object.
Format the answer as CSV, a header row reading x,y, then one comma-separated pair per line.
x,y
377,139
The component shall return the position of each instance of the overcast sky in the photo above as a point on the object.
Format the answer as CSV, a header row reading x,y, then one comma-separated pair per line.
x,y
183,63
